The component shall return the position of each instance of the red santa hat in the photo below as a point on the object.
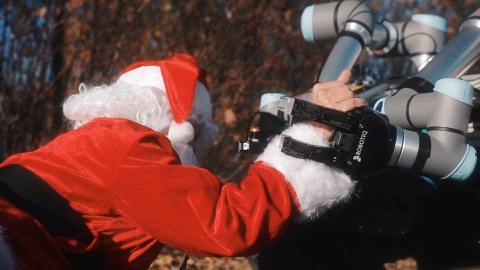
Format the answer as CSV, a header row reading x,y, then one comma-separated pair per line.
x,y
178,77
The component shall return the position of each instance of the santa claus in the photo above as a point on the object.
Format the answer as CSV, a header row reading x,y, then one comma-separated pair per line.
x,y
128,170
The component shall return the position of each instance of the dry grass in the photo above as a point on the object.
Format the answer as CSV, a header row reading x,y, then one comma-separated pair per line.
x,y
173,259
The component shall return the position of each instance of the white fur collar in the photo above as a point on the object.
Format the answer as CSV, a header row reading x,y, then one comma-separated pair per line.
x,y
318,186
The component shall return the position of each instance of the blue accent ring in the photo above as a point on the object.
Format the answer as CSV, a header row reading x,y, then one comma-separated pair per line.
x,y
455,88
434,21
307,24
465,167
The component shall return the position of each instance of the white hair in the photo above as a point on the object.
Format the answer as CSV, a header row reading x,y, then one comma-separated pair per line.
x,y
147,106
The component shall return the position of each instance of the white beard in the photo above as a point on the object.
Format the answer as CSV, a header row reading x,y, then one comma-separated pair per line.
x,y
190,150
186,154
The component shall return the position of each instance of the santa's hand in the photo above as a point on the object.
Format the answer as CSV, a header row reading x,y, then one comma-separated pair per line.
x,y
336,95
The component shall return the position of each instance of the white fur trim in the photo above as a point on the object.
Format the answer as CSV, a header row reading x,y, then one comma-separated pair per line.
x,y
317,186
181,133
6,258
144,76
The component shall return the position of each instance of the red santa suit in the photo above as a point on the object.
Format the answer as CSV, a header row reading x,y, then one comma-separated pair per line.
x,y
127,182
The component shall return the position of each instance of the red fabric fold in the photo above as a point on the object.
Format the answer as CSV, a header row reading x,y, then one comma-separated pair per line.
x,y
180,75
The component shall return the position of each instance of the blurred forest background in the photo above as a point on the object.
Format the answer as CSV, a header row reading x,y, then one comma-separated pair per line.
x,y
249,47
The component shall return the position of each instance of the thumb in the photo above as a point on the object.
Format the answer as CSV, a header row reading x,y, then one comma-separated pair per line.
x,y
345,76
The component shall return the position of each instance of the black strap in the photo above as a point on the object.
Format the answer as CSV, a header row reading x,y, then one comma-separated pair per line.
x,y
418,84
30,193
446,129
407,112
298,149
424,151
346,121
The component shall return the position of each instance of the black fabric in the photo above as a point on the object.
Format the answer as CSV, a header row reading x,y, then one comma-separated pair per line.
x,y
394,214
30,193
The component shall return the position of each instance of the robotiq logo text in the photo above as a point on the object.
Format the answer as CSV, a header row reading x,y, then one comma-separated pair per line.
x,y
361,142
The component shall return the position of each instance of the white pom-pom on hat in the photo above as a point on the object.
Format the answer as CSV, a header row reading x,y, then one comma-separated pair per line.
x,y
181,133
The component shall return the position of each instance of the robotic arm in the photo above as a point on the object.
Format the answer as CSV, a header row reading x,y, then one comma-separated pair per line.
x,y
421,38
366,140
420,128
427,123
350,21
442,111
354,147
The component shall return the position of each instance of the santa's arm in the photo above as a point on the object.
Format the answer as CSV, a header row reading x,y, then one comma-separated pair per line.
x,y
190,208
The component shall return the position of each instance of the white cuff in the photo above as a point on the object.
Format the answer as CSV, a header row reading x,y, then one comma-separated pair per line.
x,y
318,186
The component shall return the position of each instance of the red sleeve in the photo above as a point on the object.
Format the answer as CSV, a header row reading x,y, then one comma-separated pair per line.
x,y
191,209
